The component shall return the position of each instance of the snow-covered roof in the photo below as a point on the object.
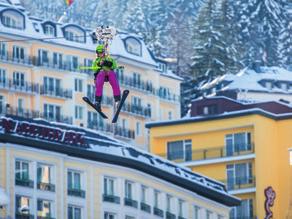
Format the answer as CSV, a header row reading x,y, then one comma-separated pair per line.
x,y
107,149
34,31
249,80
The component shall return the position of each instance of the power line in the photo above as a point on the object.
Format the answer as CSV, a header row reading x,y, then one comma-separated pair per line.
x,y
90,35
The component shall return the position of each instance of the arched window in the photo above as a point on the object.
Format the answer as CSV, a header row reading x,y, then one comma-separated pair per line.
x,y
13,19
49,30
133,46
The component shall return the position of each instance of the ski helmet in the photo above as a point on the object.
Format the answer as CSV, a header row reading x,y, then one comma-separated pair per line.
x,y
100,49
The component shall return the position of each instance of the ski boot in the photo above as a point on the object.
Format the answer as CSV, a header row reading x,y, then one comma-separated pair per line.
x,y
97,103
117,102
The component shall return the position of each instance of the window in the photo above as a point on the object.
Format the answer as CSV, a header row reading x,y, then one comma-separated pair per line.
x,y
235,143
78,112
44,173
20,106
197,212
284,86
129,217
3,49
2,106
108,215
168,203
74,212
244,210
181,210
156,198
58,60
94,120
18,79
210,110
239,175
22,204
2,76
52,86
74,62
44,208
74,180
162,67
144,194
137,79
78,85
138,129
43,57
133,46
208,214
136,101
108,186
124,123
49,30
178,150
22,170
128,189
13,19
18,53
220,216
74,34
52,112
169,115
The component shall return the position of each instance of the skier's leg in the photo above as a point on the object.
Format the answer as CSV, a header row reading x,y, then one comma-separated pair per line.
x,y
98,88
115,85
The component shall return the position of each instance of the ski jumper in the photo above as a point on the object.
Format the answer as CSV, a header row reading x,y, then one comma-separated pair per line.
x,y
103,67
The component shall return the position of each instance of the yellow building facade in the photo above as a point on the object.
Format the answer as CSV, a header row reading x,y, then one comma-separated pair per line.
x,y
245,149
40,76
57,171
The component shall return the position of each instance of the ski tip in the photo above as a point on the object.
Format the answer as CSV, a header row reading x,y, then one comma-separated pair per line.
x,y
85,98
126,91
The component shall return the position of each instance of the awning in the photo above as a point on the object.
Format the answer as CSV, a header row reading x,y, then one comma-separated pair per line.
x,y
4,200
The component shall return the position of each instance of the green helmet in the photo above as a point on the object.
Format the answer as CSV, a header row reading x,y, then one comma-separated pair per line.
x,y
100,49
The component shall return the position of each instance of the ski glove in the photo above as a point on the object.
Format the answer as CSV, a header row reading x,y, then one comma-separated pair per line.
x,y
107,63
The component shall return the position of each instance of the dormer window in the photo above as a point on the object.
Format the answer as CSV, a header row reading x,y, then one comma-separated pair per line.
x,y
162,67
49,30
284,86
12,19
268,85
74,33
133,46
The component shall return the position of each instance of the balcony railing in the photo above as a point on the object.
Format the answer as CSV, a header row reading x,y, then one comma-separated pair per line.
x,y
8,57
46,186
244,217
24,216
180,217
62,93
20,86
130,202
111,198
240,183
208,153
137,110
115,130
24,182
29,114
145,207
170,215
76,192
158,212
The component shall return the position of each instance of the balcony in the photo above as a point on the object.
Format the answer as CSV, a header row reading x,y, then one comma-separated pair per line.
x,y
59,93
19,86
114,129
244,217
46,186
145,207
240,183
170,215
180,217
24,216
158,212
76,192
130,202
111,198
8,57
29,114
24,182
137,110
137,84
166,95
207,154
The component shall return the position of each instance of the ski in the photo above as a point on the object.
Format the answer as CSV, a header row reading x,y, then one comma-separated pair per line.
x,y
86,99
123,98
